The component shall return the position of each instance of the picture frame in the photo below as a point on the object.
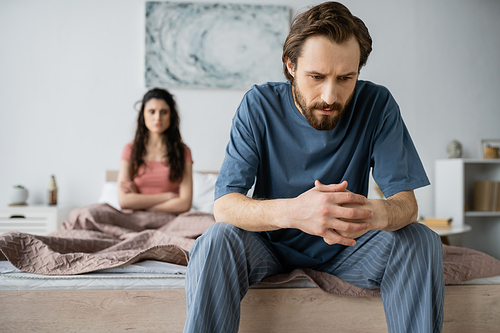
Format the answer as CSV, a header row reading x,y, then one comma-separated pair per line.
x,y
214,45
492,154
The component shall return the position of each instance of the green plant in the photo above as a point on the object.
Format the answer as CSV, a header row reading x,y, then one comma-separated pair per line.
x,y
19,186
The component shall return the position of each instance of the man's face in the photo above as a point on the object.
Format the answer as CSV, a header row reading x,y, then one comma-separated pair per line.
x,y
324,80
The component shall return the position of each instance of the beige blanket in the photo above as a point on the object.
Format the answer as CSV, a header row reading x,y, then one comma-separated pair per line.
x,y
98,237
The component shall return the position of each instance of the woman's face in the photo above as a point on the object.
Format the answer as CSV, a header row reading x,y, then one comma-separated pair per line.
x,y
157,115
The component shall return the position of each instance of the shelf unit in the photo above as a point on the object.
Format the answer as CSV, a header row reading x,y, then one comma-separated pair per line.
x,y
454,197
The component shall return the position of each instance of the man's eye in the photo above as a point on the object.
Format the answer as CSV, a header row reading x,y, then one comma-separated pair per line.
x,y
345,78
317,77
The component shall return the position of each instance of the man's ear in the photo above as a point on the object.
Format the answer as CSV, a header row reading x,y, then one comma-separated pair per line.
x,y
290,67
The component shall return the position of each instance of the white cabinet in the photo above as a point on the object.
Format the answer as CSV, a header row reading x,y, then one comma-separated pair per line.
x,y
454,197
39,220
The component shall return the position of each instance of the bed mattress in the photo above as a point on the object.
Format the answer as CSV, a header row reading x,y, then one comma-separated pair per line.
x,y
145,275
148,274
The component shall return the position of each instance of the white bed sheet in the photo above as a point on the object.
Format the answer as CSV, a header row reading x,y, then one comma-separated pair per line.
x,y
144,275
148,274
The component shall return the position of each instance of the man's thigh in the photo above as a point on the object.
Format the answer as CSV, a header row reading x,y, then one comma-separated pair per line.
x,y
365,264
230,248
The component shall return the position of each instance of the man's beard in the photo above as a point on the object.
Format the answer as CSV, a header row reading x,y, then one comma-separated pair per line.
x,y
325,122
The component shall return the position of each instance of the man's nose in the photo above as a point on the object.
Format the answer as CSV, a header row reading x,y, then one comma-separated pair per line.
x,y
329,93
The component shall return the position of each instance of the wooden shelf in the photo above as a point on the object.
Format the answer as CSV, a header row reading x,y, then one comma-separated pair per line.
x,y
482,214
481,161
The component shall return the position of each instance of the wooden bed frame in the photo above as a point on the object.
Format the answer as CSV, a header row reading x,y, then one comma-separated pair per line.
x,y
468,308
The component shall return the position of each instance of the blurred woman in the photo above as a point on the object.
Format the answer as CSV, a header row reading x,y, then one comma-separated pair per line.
x,y
156,168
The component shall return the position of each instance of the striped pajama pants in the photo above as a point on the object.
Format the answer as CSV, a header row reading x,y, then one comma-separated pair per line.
x,y
407,266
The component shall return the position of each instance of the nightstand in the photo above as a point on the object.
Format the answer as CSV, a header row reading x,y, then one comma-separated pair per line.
x,y
455,230
33,219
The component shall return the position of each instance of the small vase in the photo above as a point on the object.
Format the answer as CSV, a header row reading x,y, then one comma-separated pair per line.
x,y
18,196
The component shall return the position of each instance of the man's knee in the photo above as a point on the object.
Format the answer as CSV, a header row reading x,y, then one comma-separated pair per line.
x,y
221,231
421,239
219,235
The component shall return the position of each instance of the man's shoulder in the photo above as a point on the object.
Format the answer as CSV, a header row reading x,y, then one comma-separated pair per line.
x,y
265,97
376,96
368,87
269,89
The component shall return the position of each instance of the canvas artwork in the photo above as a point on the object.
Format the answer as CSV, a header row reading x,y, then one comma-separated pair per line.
x,y
214,45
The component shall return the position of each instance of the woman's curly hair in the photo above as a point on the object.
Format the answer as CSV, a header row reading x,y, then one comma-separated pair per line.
x,y
174,153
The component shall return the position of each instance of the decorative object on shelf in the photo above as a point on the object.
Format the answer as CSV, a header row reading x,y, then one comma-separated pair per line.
x,y
454,149
52,191
487,196
437,223
491,152
489,148
213,45
18,196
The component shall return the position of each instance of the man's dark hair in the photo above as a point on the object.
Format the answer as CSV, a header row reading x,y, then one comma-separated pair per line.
x,y
332,20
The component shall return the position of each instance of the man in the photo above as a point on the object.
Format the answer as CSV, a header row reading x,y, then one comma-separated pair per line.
x,y
309,145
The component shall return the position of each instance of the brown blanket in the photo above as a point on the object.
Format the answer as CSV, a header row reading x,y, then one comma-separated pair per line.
x,y
99,236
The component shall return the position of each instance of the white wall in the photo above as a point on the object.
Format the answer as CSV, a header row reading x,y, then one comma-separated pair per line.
x,y
71,71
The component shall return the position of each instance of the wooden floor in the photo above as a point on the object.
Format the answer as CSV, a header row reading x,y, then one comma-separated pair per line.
x,y
468,308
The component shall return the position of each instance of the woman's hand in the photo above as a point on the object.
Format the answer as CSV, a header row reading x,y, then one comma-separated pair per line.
x,y
170,195
128,186
178,203
129,196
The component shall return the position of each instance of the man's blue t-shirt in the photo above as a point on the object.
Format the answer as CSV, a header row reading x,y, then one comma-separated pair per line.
x,y
273,145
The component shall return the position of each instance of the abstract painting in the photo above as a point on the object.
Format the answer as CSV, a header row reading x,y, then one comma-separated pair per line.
x,y
219,45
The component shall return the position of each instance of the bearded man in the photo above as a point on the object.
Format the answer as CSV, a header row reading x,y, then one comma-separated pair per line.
x,y
309,145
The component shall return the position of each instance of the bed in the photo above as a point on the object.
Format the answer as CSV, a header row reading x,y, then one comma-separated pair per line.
x,y
141,288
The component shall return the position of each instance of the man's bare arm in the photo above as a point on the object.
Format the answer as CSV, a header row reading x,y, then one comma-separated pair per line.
x,y
392,214
319,211
401,210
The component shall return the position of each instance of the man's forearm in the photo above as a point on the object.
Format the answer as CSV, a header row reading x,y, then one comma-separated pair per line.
x,y
394,213
250,214
318,211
